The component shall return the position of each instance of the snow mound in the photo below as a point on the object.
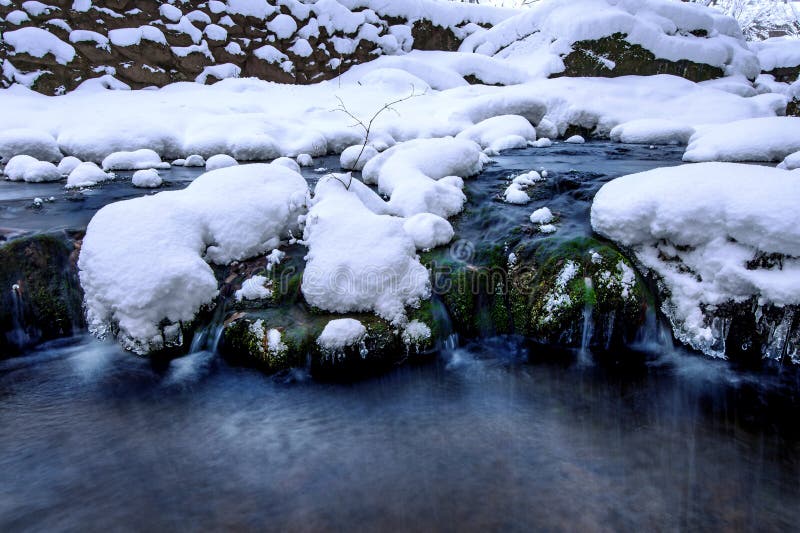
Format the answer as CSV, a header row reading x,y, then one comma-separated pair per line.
x,y
757,139
575,139
220,161
144,262
704,229
542,215
499,133
68,164
652,131
359,260
411,173
194,160
428,230
356,157
135,160
37,42
341,333
254,288
30,169
24,141
790,162
147,178
87,174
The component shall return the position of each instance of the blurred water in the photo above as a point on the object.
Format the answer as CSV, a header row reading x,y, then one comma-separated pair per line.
x,y
488,436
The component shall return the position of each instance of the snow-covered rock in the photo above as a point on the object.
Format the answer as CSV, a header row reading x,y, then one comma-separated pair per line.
x,y
194,160
87,174
652,131
135,160
144,262
500,133
411,173
790,162
305,160
147,178
253,288
428,230
758,139
340,333
356,157
220,161
543,215
575,139
30,169
68,164
379,272
716,234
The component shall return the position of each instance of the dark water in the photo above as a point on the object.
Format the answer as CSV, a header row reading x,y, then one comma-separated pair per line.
x,y
487,437
494,435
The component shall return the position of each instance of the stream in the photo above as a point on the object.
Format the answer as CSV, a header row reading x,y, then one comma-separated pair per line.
x,y
493,433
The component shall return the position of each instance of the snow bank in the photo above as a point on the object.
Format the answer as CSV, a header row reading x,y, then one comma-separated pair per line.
x,y
26,141
652,131
136,160
143,263
411,173
358,259
499,133
790,162
702,228
759,139
777,52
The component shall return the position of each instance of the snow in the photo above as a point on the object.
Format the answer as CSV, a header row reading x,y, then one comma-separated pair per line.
x,y
68,164
652,131
777,52
17,17
515,192
146,178
259,9
700,227
253,288
170,12
759,139
220,161
341,333
544,142
537,38
216,33
194,160
143,262
380,271
415,333
575,139
428,230
134,36
135,160
270,54
185,25
36,9
500,133
411,173
275,345
32,142
81,36
27,168
790,162
542,215
87,174
356,156
283,26
305,160
301,48
287,162
220,72
38,43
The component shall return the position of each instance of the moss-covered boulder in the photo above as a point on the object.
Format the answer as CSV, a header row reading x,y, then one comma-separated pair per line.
x,y
40,295
614,56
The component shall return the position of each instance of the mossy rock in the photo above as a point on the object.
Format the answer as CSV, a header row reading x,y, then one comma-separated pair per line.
x,y
614,56
40,295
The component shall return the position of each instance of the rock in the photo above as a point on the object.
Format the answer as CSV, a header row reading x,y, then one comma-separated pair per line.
x,y
40,296
614,56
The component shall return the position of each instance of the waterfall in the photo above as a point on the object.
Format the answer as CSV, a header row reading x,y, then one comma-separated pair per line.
x,y
18,336
448,339
208,336
584,355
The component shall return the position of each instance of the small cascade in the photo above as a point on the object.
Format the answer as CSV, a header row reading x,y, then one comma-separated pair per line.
x,y
207,338
584,355
18,336
448,339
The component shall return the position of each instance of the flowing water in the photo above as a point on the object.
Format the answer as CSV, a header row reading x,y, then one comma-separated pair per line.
x,y
491,434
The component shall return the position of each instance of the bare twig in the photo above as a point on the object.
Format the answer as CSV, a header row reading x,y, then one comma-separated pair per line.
x,y
367,127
